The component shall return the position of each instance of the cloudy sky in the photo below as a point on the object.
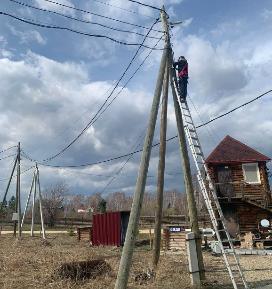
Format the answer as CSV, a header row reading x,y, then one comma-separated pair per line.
x,y
52,82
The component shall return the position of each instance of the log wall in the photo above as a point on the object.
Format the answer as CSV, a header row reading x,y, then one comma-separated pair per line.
x,y
246,216
257,192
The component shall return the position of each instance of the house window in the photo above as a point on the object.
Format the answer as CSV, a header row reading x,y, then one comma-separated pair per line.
x,y
251,173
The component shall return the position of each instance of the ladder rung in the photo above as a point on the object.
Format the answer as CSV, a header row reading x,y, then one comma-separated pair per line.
x,y
221,230
234,264
220,219
194,138
188,122
187,115
192,130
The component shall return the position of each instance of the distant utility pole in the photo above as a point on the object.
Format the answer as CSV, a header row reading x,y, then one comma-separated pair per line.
x,y
37,187
40,201
33,204
18,196
126,258
10,178
19,191
187,175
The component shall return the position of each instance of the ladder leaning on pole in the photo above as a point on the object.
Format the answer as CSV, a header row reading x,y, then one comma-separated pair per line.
x,y
210,197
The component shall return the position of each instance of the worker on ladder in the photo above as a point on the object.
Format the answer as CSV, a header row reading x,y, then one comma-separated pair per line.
x,y
182,67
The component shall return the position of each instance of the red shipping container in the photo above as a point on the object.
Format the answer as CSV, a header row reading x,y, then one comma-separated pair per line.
x,y
110,229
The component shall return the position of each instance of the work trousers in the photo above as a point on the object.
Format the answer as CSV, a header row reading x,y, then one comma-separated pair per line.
x,y
182,82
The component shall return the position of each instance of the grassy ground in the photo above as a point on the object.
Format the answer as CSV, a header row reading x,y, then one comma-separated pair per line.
x,y
31,263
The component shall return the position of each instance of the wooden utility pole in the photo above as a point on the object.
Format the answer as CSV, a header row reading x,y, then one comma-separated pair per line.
x,y
187,175
10,178
126,258
28,199
19,191
161,169
18,196
37,186
40,201
33,205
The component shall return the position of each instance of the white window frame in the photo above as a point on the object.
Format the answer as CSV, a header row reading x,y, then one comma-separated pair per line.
x,y
257,170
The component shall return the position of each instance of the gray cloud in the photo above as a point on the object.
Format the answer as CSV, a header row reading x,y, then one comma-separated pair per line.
x,y
44,103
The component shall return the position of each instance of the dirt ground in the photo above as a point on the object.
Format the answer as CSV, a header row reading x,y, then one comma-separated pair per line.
x,y
32,263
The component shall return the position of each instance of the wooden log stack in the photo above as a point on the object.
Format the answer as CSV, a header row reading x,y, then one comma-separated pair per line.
x,y
84,233
174,238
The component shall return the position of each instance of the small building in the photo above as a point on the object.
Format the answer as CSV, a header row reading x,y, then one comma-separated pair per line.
x,y
240,176
109,229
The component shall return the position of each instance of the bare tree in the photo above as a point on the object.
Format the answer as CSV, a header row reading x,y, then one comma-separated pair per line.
x,y
119,201
53,202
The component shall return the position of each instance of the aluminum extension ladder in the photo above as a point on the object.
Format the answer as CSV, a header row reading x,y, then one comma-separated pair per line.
x,y
210,198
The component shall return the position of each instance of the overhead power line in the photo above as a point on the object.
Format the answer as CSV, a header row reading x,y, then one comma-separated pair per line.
x,y
7,149
124,9
146,5
100,112
93,163
6,157
120,91
99,15
120,169
235,108
32,22
80,20
127,82
156,144
22,172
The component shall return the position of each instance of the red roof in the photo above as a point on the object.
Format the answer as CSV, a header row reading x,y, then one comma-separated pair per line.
x,y
230,150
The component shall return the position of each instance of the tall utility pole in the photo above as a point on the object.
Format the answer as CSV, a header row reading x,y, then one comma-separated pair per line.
x,y
40,201
33,205
126,258
28,198
187,175
37,186
18,196
19,191
161,168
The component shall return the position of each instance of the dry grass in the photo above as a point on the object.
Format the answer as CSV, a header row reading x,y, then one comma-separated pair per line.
x,y
32,264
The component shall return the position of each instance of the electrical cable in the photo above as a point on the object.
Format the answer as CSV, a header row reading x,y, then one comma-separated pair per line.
x,y
98,114
9,156
234,109
124,86
109,89
210,132
156,144
146,5
124,9
99,15
22,172
7,149
117,173
80,20
32,22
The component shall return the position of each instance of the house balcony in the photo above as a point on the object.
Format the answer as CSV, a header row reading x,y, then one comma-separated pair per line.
x,y
256,193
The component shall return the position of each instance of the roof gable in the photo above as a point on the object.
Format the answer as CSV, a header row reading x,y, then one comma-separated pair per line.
x,y
230,150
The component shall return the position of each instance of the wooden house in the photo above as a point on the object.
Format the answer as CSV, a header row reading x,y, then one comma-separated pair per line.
x,y
240,175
